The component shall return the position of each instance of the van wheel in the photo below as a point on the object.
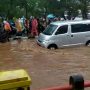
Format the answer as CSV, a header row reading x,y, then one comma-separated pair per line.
x,y
88,43
52,47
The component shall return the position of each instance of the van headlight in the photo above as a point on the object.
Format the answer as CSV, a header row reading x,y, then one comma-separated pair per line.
x,y
45,41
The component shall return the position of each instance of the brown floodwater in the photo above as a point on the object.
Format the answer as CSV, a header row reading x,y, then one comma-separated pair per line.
x,y
47,68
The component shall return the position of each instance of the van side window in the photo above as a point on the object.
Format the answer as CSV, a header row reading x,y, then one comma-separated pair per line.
x,y
87,28
62,30
80,28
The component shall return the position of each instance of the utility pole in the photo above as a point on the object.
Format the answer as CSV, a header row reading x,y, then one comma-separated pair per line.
x,y
26,11
26,8
84,9
11,7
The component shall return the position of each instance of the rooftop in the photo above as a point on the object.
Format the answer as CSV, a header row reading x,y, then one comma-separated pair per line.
x,y
70,22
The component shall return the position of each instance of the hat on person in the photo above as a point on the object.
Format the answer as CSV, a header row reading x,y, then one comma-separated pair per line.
x,y
4,21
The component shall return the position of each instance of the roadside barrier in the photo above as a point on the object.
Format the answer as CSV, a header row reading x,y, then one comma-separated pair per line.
x,y
14,80
20,80
76,82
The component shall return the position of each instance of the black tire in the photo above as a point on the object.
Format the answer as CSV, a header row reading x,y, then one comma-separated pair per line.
x,y
77,82
52,47
87,43
28,88
20,88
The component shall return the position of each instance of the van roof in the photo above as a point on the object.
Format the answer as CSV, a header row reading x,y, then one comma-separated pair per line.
x,y
70,22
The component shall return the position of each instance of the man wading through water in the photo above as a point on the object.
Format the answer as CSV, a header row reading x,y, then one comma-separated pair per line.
x,y
7,29
34,30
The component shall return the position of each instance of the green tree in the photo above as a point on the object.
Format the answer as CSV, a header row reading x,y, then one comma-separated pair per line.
x,y
83,7
10,8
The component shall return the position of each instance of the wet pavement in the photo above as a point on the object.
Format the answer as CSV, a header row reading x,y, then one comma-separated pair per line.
x,y
47,68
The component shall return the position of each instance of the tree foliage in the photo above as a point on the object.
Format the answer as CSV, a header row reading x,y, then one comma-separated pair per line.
x,y
18,8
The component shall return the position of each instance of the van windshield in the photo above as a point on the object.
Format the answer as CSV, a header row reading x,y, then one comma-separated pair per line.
x,y
50,29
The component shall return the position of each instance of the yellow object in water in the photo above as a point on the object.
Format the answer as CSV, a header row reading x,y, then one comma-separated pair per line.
x,y
13,80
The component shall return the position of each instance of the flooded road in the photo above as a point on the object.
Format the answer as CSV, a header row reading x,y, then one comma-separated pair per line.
x,y
47,68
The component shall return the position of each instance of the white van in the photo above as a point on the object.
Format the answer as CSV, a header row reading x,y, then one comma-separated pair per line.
x,y
65,33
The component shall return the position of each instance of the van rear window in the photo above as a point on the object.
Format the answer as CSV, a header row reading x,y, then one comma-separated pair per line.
x,y
50,29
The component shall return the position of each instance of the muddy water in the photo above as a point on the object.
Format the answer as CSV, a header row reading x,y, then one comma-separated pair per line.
x,y
47,68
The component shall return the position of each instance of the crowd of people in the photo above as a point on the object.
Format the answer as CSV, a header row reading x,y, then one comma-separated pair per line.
x,y
22,27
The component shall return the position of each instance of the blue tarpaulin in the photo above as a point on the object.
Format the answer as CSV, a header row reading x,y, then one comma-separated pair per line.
x,y
50,16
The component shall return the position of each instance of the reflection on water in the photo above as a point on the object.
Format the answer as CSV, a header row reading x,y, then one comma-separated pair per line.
x,y
46,67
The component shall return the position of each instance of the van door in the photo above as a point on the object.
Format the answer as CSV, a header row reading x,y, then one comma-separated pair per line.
x,y
77,35
62,36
